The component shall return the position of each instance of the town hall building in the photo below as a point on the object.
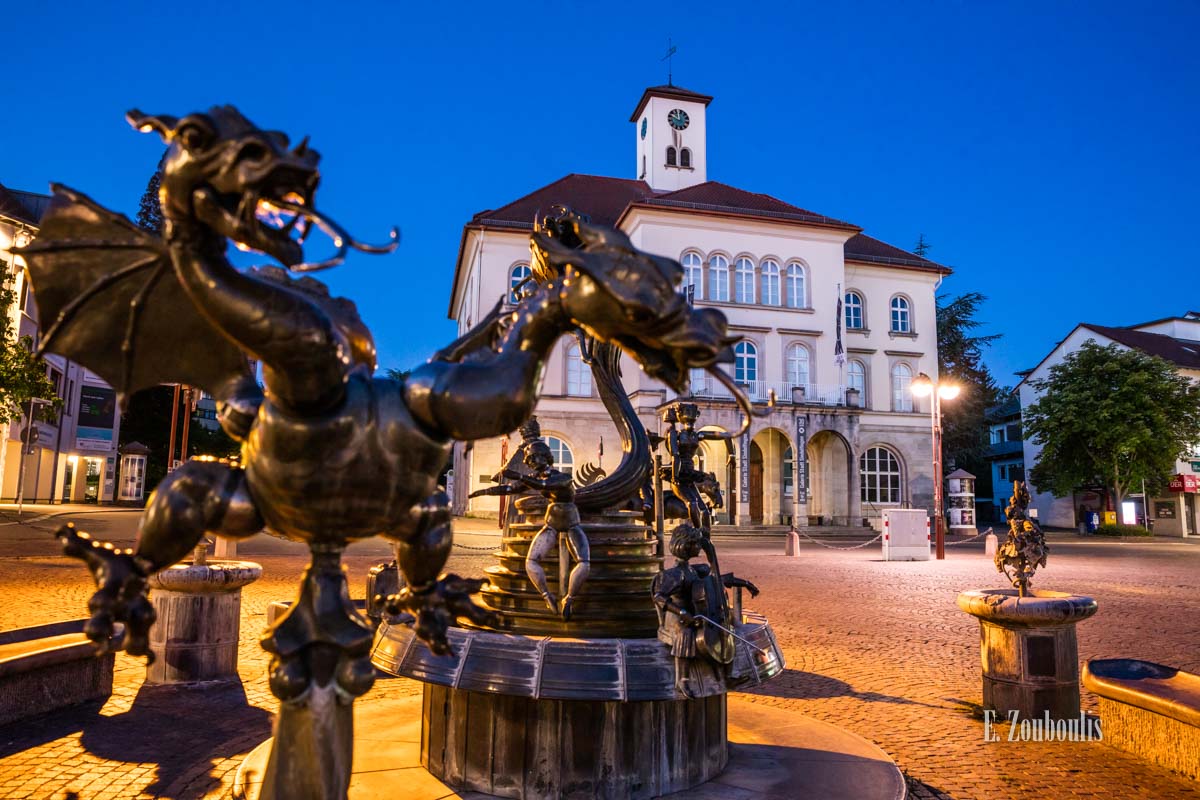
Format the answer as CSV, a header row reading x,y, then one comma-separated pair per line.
x,y
837,324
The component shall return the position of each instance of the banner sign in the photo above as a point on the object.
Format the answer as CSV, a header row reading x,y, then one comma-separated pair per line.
x,y
801,458
744,467
1183,483
97,413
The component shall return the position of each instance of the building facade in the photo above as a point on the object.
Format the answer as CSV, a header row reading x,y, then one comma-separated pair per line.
x,y
835,323
1175,339
75,457
1006,454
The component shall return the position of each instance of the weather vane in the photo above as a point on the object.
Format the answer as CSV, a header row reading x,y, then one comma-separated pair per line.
x,y
671,50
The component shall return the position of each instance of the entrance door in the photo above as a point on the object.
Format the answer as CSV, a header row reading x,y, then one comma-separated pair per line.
x,y
1189,515
756,484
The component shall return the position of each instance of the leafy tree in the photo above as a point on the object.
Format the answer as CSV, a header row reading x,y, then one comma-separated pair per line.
x,y
397,374
922,246
150,215
147,420
22,377
1112,416
960,360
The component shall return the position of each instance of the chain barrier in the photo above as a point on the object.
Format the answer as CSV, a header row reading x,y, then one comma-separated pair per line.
x,y
834,547
973,538
487,549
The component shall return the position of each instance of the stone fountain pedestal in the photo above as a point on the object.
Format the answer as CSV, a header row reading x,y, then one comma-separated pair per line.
x,y
199,607
1028,649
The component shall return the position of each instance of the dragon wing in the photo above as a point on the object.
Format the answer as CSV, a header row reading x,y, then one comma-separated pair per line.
x,y
108,298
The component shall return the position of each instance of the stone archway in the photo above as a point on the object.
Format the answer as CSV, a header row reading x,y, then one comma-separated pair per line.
x,y
768,503
831,469
720,458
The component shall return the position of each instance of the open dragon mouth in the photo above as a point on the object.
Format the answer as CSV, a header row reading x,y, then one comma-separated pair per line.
x,y
277,222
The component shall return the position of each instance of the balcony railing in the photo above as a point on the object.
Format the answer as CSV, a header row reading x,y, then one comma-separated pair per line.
x,y
813,394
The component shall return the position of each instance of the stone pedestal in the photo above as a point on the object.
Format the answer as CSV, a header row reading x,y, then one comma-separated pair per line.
x,y
199,609
1029,652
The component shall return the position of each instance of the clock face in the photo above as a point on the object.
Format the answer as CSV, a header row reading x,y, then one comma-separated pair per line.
x,y
678,119
644,123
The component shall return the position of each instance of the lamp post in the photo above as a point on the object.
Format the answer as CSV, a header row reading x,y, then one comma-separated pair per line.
x,y
924,386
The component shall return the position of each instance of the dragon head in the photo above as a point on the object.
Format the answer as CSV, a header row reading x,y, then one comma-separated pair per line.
x,y
243,183
620,294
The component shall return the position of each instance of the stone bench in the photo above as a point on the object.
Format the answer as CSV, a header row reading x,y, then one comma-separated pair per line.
x,y
53,666
1149,710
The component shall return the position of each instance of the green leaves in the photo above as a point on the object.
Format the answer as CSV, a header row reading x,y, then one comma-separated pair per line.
x,y
22,377
1111,416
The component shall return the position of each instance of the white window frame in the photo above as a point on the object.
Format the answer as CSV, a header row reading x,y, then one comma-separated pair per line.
x,y
902,398
849,306
693,273
796,276
770,282
560,449
882,485
514,279
743,280
718,277
901,314
745,362
579,376
798,369
850,382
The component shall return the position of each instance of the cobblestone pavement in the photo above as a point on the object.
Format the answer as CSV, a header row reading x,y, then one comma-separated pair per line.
x,y
877,648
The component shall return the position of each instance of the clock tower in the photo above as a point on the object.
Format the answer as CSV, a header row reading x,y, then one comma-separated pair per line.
x,y
670,128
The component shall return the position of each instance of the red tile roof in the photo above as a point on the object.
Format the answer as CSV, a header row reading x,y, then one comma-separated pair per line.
x,y
671,92
1181,352
607,200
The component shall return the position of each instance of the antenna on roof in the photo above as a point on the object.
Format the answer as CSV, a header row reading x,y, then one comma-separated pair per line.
x,y
671,50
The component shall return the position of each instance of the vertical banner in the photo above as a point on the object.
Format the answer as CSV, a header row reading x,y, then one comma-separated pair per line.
x,y
801,457
744,466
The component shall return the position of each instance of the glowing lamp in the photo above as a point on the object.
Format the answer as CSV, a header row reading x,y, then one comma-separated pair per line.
x,y
948,391
921,386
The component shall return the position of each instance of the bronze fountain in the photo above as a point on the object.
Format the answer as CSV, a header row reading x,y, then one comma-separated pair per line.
x,y
332,454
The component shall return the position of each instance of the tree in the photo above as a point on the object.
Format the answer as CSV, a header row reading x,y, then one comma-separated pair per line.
x,y
147,419
22,377
1111,416
398,374
150,215
922,246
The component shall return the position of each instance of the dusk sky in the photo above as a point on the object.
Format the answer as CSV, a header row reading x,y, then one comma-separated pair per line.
x,y
1048,151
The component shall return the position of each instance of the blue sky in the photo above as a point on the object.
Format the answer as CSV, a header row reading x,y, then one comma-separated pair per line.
x,y
1048,151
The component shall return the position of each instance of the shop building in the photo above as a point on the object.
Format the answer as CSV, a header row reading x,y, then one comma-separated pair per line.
x,y
74,458
1174,513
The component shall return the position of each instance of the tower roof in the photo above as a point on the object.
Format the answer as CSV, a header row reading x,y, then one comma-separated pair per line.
x,y
670,92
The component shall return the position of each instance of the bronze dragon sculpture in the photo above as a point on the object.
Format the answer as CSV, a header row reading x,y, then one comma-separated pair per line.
x,y
330,453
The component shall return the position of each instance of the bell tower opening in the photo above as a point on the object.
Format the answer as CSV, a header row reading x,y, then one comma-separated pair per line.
x,y
670,126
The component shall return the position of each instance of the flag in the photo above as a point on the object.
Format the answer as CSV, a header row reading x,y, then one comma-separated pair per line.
x,y
839,353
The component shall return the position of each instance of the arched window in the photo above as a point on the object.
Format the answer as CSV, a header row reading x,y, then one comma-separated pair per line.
x,y
670,156
718,278
685,157
902,388
698,380
518,274
796,294
564,460
880,472
797,365
579,375
789,472
901,316
693,274
743,281
854,311
856,378
770,282
745,362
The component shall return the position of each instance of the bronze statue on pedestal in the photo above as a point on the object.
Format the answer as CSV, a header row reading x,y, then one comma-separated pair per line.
x,y
1025,548
330,454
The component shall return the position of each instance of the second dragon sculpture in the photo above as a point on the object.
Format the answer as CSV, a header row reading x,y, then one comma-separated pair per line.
x,y
330,453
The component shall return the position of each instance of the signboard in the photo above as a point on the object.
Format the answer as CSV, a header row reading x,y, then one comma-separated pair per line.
x,y
1195,466
97,413
1164,510
801,458
744,467
1182,483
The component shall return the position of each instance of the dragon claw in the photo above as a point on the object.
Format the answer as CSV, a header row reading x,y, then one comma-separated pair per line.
x,y
437,607
120,594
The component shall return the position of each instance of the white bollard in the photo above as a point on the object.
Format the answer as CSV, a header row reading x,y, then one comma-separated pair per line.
x,y
793,544
989,545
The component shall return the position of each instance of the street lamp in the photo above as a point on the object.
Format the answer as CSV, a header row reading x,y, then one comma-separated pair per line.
x,y
924,386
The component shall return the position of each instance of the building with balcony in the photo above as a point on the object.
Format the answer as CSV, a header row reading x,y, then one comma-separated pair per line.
x,y
1176,513
75,457
835,322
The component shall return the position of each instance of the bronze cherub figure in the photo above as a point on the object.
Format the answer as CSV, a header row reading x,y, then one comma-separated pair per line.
x,y
1025,549
330,453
